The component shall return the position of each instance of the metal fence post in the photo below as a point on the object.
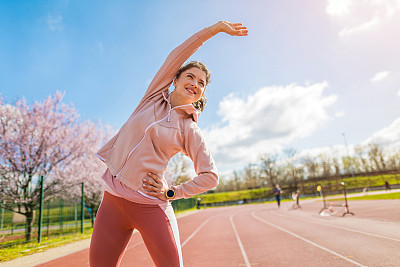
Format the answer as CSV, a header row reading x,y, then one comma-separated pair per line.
x,y
12,219
76,216
61,215
2,214
48,219
40,210
82,207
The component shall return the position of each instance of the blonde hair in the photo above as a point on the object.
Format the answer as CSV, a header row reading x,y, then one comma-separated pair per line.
x,y
201,103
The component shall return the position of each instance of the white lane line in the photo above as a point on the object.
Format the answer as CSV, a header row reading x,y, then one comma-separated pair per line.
x,y
195,232
344,228
308,241
246,260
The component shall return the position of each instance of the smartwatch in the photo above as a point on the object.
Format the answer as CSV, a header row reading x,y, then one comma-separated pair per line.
x,y
170,193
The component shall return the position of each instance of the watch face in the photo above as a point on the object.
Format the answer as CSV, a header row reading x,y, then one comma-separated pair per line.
x,y
170,193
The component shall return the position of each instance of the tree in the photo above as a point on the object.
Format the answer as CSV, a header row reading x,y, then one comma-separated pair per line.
x,y
251,177
178,170
268,162
43,139
363,162
376,157
291,170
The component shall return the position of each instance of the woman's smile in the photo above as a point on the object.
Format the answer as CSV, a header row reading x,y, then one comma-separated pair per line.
x,y
189,87
191,91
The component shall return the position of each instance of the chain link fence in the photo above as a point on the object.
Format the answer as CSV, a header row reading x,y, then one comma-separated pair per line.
x,y
60,217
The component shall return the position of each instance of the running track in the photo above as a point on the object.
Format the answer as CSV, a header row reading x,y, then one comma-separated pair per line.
x,y
263,235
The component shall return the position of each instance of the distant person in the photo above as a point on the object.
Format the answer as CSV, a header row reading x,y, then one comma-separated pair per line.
x,y
296,198
365,190
164,123
277,193
198,203
387,185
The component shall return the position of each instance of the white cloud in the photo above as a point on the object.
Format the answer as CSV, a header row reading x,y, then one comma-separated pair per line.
x,y
388,135
338,7
267,120
336,151
379,76
54,22
340,114
387,138
362,15
359,28
398,93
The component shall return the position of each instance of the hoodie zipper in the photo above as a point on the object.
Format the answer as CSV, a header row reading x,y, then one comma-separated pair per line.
x,y
168,117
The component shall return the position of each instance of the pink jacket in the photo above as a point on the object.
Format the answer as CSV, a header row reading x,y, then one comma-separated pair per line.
x,y
154,133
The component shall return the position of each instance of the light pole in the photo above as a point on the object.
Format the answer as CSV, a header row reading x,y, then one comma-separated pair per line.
x,y
348,156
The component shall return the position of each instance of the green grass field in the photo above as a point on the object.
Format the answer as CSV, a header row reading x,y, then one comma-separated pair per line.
x,y
372,197
33,247
54,241
358,182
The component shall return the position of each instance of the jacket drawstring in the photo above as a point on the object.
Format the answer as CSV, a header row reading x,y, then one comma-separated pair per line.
x,y
169,116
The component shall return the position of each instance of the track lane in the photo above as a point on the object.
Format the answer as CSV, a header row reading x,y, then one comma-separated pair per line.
x,y
244,254
214,245
308,241
209,239
321,221
363,249
269,246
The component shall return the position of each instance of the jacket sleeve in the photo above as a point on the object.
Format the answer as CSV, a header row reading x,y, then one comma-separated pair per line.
x,y
166,74
207,174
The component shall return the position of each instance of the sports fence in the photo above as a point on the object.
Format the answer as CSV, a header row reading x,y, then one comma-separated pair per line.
x,y
60,217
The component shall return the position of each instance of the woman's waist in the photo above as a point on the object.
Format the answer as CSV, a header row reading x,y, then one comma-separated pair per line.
x,y
116,187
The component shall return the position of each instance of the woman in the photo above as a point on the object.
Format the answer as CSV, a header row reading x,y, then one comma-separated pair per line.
x,y
136,194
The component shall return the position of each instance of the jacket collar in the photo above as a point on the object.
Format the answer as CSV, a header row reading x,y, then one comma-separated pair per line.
x,y
188,109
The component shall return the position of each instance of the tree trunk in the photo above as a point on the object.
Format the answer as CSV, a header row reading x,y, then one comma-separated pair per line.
x,y
29,222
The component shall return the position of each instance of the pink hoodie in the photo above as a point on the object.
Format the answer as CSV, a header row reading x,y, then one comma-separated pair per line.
x,y
154,133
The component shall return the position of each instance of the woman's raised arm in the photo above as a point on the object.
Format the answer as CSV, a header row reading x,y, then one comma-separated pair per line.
x,y
164,77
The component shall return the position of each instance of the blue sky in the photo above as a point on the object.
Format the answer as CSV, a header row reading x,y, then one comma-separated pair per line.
x,y
308,71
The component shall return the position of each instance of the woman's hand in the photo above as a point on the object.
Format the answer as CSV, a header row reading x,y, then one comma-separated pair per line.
x,y
234,29
155,186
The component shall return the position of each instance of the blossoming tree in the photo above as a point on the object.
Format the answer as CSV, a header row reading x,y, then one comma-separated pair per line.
x,y
45,139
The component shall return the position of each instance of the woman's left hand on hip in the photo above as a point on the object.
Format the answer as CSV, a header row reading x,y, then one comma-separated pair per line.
x,y
154,186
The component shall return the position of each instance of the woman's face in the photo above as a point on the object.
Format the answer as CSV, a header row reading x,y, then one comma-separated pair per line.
x,y
190,85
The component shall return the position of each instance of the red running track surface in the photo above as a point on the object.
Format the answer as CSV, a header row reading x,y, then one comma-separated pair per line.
x,y
263,235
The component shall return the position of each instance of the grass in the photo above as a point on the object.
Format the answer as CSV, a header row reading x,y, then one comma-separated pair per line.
x,y
331,184
234,195
34,247
372,197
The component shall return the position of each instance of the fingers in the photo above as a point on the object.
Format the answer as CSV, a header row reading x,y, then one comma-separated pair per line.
x,y
155,177
154,186
239,29
151,181
243,33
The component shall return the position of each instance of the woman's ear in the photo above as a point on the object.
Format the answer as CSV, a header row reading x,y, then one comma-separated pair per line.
x,y
174,82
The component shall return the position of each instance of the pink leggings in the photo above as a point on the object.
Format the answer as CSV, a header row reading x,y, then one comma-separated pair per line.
x,y
115,222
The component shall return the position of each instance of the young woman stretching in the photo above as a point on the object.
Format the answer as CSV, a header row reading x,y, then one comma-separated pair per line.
x,y
163,124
